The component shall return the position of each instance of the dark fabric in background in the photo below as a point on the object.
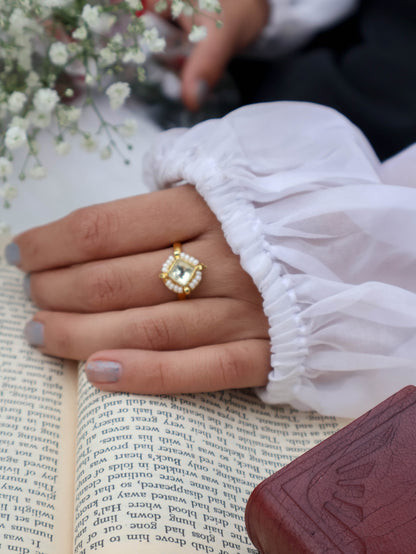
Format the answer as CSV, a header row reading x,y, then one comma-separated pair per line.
x,y
365,68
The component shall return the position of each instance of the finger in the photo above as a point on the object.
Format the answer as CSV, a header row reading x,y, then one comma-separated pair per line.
x,y
173,326
138,224
242,23
205,65
133,281
239,364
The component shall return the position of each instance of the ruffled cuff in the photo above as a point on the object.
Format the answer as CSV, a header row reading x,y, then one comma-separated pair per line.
x,y
266,171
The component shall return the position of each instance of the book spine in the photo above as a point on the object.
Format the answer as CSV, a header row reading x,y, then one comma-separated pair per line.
x,y
266,525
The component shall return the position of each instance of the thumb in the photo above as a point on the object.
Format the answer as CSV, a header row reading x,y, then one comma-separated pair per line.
x,y
205,65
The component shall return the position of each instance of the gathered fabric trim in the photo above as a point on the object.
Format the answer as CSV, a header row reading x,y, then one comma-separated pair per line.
x,y
298,192
225,195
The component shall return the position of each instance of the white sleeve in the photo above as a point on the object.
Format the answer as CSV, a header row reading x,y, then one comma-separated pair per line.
x,y
292,23
331,247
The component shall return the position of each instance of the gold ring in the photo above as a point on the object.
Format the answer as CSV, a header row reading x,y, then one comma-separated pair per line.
x,y
181,272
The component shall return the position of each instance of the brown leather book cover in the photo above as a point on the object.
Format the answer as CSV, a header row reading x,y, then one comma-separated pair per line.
x,y
353,493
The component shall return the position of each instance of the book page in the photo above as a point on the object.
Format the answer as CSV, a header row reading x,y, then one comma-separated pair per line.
x,y
37,433
173,474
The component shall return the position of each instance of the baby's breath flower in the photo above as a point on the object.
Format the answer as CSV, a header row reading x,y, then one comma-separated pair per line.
x,y
188,9
24,58
128,128
153,41
81,33
8,192
68,115
117,41
33,80
74,49
96,20
178,7
16,101
56,3
37,172
117,94
134,55
40,120
134,4
198,33
58,53
89,144
45,100
161,6
18,21
62,148
210,5
6,167
4,228
107,57
15,137
105,153
90,79
91,15
22,122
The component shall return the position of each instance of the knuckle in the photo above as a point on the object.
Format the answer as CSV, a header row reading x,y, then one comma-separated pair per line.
x,y
155,378
59,338
102,287
230,367
38,290
160,377
63,343
90,228
153,333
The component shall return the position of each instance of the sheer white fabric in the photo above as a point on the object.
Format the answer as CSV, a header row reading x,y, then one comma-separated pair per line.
x,y
292,23
327,234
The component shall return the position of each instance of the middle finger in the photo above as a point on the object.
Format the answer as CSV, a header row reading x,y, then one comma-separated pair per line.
x,y
133,281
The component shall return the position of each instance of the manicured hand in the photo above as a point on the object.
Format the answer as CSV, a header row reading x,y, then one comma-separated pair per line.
x,y
243,21
95,276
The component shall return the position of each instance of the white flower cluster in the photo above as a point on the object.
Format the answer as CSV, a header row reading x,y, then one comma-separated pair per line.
x,y
52,51
198,32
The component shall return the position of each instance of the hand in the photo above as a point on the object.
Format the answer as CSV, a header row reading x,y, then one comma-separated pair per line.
x,y
242,21
95,275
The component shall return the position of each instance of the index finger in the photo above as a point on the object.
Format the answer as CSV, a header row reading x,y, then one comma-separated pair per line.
x,y
128,226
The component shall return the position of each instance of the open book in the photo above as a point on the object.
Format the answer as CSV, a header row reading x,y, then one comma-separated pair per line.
x,y
86,471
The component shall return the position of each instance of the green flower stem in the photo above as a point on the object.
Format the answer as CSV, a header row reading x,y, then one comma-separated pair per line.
x,y
107,127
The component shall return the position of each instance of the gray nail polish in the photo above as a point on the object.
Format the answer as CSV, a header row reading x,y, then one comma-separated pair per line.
x,y
34,331
103,371
202,91
26,286
12,253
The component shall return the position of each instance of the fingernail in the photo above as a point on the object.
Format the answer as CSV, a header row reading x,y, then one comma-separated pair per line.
x,y
34,331
12,253
26,286
103,371
201,93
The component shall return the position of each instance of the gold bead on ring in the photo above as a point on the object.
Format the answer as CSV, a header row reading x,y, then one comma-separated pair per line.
x,y
181,272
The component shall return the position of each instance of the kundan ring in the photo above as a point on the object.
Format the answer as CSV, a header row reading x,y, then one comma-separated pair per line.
x,y
181,272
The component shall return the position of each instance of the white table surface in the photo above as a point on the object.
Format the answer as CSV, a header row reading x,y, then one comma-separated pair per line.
x,y
80,178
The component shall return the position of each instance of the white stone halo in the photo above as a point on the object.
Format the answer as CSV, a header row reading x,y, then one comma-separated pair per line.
x,y
181,272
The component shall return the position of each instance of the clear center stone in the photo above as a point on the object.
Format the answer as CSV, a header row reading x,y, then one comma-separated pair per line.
x,y
181,272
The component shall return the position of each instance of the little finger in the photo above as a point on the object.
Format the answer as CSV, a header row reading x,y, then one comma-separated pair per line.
x,y
239,364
